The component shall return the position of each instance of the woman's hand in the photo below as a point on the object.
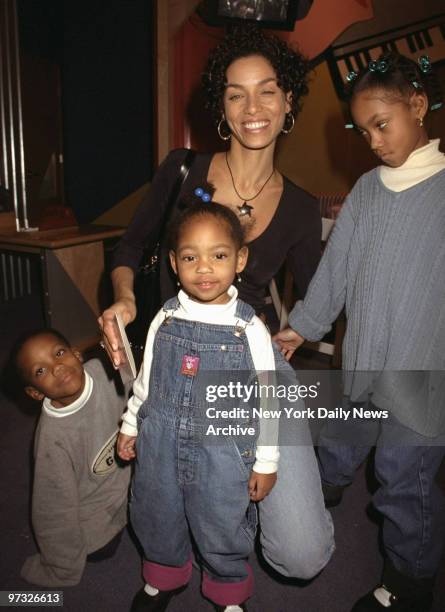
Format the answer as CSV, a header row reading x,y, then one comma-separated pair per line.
x,y
288,340
126,308
125,447
122,278
261,485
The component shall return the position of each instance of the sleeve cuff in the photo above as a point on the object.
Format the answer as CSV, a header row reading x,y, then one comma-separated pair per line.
x,y
306,326
128,430
266,460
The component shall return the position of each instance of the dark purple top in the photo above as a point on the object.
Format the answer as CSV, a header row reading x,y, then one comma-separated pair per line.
x,y
293,234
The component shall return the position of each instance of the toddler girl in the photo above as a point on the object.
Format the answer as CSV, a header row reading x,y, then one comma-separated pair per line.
x,y
186,488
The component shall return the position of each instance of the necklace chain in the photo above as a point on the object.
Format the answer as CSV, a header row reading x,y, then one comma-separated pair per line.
x,y
236,190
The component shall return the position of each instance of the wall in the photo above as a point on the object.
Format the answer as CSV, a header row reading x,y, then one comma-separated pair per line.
x,y
320,154
390,14
103,52
107,102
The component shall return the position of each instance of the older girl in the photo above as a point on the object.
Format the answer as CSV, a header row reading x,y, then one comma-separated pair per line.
x,y
385,261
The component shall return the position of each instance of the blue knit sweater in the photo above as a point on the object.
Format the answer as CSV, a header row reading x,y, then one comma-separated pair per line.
x,y
385,261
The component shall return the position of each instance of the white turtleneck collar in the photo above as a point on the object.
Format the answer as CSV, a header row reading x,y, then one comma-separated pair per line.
x,y
206,313
420,165
74,406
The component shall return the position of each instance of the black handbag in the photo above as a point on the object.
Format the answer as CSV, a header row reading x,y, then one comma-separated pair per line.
x,y
147,288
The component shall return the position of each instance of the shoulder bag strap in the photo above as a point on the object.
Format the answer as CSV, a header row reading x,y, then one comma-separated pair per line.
x,y
183,173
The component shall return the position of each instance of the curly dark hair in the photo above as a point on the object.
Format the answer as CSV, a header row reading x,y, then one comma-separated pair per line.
x,y
245,40
192,206
400,75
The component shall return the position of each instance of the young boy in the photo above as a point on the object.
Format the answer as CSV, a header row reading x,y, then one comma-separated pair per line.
x,y
79,500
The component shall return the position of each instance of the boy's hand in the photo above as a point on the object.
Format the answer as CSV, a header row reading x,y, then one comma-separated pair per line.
x,y
288,340
125,447
261,485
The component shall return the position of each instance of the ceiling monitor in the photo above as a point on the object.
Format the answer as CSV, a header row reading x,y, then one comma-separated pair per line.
x,y
271,14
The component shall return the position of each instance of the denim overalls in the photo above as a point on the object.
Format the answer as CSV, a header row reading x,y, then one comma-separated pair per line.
x,y
182,484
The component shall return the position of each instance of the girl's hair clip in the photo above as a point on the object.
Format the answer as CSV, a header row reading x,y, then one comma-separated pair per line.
x,y
351,76
424,64
349,126
436,106
380,66
205,197
416,85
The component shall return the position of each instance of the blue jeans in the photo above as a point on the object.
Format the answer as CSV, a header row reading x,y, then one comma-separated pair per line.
x,y
297,532
412,505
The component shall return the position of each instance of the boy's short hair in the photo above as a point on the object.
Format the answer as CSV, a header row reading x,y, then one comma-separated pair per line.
x,y
20,343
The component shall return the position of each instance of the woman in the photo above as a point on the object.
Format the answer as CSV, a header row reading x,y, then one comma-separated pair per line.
x,y
254,84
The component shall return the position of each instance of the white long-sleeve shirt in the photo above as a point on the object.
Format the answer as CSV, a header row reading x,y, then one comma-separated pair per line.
x,y
260,344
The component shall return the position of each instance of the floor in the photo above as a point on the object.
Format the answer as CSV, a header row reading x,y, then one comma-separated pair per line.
x,y
109,586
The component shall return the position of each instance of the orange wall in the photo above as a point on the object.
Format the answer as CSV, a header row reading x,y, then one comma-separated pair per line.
x,y
320,154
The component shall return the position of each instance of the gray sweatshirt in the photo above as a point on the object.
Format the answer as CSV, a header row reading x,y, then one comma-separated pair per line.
x,y
79,500
385,261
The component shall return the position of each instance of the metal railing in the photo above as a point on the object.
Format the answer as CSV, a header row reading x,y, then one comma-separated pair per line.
x,y
12,167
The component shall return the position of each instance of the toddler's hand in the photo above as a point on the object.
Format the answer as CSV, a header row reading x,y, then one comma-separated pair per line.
x,y
261,485
125,447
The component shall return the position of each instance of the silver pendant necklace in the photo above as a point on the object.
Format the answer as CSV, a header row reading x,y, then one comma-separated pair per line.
x,y
246,209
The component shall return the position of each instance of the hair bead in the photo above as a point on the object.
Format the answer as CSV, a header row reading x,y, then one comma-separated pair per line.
x,y
351,76
205,197
424,64
378,66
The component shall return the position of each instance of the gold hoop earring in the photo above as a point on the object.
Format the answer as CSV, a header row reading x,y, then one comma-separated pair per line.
x,y
219,130
288,131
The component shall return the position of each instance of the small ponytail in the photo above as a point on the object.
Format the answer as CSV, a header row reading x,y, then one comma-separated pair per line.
x,y
199,203
200,194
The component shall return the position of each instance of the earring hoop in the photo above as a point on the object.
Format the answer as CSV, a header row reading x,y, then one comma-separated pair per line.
x,y
288,131
219,130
